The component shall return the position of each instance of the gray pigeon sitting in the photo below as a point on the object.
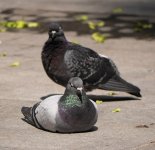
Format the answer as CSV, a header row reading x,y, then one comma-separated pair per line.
x,y
71,112
62,60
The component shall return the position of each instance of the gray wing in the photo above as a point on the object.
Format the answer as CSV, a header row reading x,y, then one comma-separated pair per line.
x,y
89,66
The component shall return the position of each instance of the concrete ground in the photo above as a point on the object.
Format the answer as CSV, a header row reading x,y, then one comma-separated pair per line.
x,y
133,128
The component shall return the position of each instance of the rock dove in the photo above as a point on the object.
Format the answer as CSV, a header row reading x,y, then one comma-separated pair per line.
x,y
62,60
71,112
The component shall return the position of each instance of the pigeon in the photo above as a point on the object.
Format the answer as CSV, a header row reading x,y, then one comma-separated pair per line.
x,y
68,113
62,60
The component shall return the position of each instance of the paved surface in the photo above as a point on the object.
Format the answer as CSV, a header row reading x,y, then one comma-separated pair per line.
x,y
131,129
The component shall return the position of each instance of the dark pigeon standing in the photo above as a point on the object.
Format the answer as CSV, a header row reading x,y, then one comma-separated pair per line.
x,y
62,60
71,112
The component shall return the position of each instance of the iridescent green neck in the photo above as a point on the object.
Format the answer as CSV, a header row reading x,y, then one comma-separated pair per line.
x,y
71,101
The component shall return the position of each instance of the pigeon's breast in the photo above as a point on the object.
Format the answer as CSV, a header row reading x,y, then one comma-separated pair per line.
x,y
76,118
56,68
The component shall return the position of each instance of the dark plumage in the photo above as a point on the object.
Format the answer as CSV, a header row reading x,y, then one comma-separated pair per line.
x,y
62,60
71,112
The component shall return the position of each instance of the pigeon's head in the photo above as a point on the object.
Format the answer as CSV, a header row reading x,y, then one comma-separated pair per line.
x,y
75,85
55,31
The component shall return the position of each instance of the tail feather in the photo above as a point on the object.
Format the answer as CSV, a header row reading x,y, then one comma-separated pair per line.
x,y
118,84
27,112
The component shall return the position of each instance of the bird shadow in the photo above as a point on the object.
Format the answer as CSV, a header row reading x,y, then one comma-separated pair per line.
x,y
117,25
93,129
106,98
103,98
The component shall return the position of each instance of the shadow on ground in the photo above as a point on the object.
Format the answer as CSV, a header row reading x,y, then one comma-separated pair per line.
x,y
103,98
116,25
94,128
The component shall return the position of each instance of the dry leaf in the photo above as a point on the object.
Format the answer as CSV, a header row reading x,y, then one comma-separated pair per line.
x,y
15,64
100,24
92,25
140,26
99,102
116,110
111,93
33,24
3,54
82,18
98,37
18,24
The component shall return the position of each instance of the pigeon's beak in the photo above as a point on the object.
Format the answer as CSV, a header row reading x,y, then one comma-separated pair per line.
x,y
80,89
79,93
53,33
